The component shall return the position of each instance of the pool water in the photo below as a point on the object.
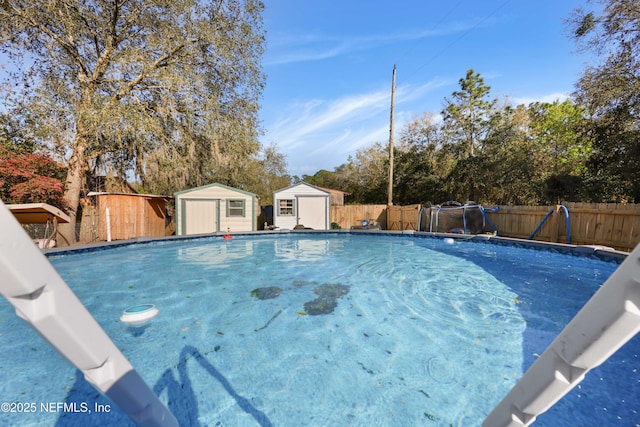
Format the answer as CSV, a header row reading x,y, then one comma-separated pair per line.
x,y
323,330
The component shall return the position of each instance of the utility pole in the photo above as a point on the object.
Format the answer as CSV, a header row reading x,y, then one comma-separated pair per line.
x,y
390,190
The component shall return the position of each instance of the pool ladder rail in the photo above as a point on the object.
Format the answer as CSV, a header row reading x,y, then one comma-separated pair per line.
x,y
566,219
606,322
43,300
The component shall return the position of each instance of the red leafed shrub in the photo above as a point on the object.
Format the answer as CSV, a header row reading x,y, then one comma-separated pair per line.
x,y
30,178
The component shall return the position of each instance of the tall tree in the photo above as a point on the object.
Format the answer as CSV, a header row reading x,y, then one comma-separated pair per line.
x,y
610,90
509,161
421,164
466,122
467,114
268,174
168,87
563,146
364,176
323,178
372,173
559,130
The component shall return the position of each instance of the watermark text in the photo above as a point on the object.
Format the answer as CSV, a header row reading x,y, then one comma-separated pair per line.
x,y
54,407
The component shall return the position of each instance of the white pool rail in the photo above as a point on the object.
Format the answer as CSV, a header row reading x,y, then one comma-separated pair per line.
x,y
43,300
607,321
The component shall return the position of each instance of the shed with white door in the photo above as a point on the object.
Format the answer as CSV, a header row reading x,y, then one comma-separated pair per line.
x,y
301,204
215,207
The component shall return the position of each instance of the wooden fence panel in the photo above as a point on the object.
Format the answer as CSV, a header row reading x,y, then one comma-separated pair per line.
x,y
521,221
403,217
607,224
352,215
130,216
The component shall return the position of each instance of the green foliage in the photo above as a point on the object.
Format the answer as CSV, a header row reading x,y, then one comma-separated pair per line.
x,y
609,91
511,166
466,116
169,89
481,152
326,179
19,129
561,187
586,149
266,174
370,173
420,163
587,23
614,166
561,138
363,177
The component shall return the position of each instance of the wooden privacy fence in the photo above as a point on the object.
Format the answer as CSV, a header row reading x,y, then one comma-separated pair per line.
x,y
350,215
607,224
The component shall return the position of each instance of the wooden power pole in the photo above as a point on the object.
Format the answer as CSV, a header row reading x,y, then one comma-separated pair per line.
x,y
390,190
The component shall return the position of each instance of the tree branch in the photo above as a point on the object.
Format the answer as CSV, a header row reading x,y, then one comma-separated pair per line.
x,y
67,46
158,63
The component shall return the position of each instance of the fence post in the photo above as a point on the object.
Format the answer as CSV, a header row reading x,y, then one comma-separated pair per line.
x,y
554,228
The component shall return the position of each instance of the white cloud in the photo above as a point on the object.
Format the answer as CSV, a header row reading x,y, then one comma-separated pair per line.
x,y
367,137
316,119
306,54
322,133
550,98
315,47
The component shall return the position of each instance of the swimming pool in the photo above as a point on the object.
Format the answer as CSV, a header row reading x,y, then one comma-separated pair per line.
x,y
324,330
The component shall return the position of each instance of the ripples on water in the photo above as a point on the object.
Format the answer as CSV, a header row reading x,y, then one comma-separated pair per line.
x,y
419,333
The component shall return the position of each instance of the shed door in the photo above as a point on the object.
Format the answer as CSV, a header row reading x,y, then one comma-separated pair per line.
x,y
312,212
200,216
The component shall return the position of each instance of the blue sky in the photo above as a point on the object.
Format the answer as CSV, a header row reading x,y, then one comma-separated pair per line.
x,y
329,66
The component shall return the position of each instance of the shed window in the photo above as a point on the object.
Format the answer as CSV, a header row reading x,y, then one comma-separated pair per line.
x,y
285,207
235,207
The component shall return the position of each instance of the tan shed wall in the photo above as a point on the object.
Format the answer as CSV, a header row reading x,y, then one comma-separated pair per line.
x,y
130,216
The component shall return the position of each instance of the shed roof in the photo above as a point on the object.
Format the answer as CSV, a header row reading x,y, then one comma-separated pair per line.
x,y
333,190
148,196
215,184
303,183
37,213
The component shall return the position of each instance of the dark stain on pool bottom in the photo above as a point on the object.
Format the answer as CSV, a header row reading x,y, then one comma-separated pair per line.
x,y
326,302
269,292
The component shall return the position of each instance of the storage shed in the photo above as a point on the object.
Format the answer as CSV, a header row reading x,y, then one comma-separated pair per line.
x,y
301,204
336,196
215,207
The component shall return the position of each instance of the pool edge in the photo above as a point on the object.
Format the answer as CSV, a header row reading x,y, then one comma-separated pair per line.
x,y
601,252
